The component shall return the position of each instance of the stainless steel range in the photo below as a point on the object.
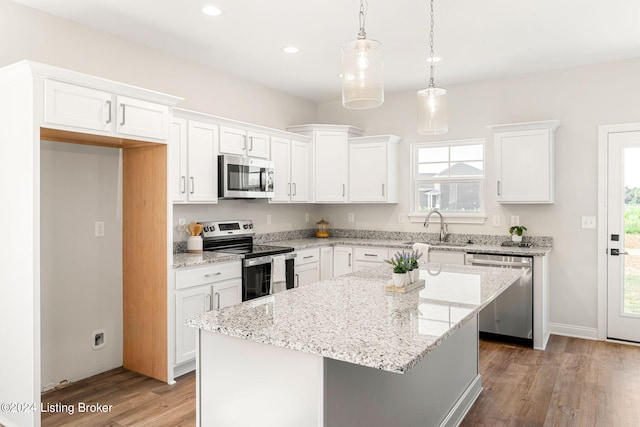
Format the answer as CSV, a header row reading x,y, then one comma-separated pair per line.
x,y
265,269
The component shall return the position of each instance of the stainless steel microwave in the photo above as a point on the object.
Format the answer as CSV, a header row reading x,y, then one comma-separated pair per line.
x,y
244,178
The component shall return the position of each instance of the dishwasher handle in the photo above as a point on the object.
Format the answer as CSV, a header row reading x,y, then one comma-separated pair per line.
x,y
496,263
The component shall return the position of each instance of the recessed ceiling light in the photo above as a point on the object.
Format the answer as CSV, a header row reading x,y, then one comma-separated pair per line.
x,y
435,59
211,11
290,49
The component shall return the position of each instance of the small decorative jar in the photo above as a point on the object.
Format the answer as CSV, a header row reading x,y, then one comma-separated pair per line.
x,y
322,228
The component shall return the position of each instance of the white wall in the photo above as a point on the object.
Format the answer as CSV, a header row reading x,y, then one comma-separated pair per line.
x,y
582,99
81,286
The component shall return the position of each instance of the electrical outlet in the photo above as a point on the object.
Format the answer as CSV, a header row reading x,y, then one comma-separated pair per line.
x,y
268,219
182,221
306,217
496,220
99,229
588,222
515,220
351,217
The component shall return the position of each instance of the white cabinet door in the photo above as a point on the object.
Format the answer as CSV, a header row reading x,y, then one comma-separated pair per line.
x,y
330,159
77,106
300,167
136,117
342,260
524,159
326,263
233,141
202,182
227,293
189,303
307,274
280,156
446,257
367,172
258,145
179,162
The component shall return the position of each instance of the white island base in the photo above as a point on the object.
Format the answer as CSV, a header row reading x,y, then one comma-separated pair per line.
x,y
245,383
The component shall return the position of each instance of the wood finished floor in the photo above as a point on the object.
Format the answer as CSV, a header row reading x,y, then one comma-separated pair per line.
x,y
573,383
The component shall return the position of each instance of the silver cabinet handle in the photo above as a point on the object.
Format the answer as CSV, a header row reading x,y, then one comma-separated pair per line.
x,y
207,303
382,190
370,255
349,260
213,274
183,184
193,185
250,143
295,189
307,257
289,193
343,190
123,114
244,145
297,284
217,294
109,108
498,189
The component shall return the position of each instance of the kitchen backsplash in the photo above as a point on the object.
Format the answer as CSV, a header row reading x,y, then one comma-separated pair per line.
x,y
484,239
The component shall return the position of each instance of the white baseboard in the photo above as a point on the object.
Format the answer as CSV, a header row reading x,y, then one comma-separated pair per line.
x,y
573,331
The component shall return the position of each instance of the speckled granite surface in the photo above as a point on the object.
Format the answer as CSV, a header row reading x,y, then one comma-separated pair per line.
x,y
191,260
353,319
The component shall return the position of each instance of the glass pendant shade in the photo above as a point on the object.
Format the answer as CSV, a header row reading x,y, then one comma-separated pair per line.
x,y
362,84
432,111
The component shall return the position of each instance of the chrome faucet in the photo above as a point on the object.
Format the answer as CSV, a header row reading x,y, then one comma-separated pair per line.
x,y
444,228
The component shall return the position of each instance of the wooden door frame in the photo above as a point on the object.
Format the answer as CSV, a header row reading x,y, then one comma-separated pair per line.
x,y
603,158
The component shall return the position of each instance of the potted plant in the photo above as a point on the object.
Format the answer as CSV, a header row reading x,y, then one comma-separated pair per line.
x,y
400,264
415,266
516,232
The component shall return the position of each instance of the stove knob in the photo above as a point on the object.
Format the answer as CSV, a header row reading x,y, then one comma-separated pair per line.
x,y
206,229
250,225
245,226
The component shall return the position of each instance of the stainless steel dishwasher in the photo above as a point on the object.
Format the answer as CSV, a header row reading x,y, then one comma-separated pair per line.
x,y
510,316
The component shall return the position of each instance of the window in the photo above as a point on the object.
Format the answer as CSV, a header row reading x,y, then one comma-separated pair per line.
x,y
448,176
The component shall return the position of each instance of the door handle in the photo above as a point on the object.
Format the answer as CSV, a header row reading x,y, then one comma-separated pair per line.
x,y
208,305
295,189
183,184
498,187
297,281
343,190
193,185
123,115
217,300
349,260
383,190
616,252
109,110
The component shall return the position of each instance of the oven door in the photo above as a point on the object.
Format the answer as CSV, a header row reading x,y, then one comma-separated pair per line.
x,y
256,277
244,177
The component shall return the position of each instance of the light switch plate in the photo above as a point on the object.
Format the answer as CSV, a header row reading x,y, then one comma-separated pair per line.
x,y
588,222
351,217
496,220
99,229
268,219
515,220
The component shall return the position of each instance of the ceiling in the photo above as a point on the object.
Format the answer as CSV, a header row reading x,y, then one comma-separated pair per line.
x,y
476,39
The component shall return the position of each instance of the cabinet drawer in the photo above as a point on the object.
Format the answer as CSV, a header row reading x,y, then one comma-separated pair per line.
x,y
307,256
371,254
209,274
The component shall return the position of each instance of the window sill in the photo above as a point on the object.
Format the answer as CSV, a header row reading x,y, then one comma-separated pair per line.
x,y
449,218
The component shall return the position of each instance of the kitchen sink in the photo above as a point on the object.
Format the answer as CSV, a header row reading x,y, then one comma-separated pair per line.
x,y
456,245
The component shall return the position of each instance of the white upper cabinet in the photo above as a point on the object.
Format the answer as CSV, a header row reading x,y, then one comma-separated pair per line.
x,y
242,142
80,108
193,172
524,162
330,155
373,171
292,170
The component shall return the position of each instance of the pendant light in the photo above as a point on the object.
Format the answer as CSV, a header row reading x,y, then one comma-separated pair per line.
x,y
432,101
362,85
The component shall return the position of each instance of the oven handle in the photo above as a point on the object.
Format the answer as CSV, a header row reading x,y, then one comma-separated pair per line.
x,y
473,261
252,262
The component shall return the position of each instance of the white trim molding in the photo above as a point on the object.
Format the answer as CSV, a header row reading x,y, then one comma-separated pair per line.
x,y
574,331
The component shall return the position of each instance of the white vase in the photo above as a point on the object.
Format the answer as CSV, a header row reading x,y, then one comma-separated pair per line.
x,y
516,238
399,279
194,244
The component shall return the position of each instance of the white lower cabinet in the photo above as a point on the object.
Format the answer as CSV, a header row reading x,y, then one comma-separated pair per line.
x,y
446,257
307,264
326,263
342,260
369,257
199,290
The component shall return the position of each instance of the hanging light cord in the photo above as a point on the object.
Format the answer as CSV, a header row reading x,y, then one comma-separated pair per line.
x,y
432,65
363,17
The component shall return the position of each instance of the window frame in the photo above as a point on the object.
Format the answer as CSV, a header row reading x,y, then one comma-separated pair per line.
x,y
451,217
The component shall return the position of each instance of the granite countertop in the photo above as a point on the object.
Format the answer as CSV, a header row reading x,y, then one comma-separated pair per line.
x,y
353,319
182,260
313,242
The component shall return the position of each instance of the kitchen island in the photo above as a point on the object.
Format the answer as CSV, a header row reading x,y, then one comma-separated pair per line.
x,y
345,352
